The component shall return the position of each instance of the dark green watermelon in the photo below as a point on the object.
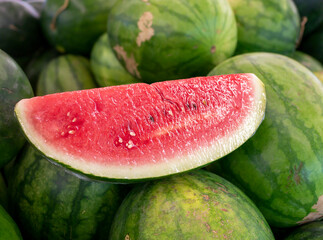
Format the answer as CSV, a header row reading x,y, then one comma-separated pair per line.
x,y
164,40
106,68
307,60
8,228
313,11
310,231
280,167
197,205
266,25
313,44
14,86
3,192
19,28
65,73
49,203
72,26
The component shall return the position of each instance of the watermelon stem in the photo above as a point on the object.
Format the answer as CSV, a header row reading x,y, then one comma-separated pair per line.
x,y
301,32
58,12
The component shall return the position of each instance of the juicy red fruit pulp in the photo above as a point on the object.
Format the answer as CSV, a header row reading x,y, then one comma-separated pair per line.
x,y
139,123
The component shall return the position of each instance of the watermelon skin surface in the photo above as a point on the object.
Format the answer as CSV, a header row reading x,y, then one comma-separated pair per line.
x,y
266,25
75,28
8,228
106,68
138,131
313,44
14,86
310,231
19,28
197,205
50,203
307,60
280,166
164,40
65,73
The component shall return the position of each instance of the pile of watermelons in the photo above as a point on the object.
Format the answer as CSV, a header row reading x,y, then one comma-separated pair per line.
x,y
271,187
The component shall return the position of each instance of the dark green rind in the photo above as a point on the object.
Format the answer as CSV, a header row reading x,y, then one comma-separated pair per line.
x,y
307,60
266,25
65,73
8,228
49,203
19,28
310,231
106,68
14,86
197,205
280,166
312,10
313,44
78,26
190,37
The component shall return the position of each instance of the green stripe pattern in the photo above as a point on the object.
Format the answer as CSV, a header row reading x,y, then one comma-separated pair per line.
x,y
65,73
266,25
14,86
195,205
179,39
50,203
281,166
106,68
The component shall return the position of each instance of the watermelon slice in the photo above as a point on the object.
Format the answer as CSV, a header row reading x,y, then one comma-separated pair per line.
x,y
139,131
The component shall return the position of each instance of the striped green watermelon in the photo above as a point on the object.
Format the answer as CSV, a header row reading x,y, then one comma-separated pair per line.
x,y
65,73
310,231
3,193
73,26
280,167
307,60
14,86
135,132
159,40
19,28
266,25
198,205
8,228
49,203
106,68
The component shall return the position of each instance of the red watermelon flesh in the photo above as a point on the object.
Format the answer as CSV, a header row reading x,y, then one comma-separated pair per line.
x,y
141,131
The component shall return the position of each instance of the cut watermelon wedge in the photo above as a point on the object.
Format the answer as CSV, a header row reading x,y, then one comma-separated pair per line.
x,y
140,131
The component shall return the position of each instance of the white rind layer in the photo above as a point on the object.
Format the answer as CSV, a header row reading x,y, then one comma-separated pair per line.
x,y
197,158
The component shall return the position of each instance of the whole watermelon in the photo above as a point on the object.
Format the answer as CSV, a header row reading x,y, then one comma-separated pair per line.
x,y
14,86
72,26
65,73
266,25
106,68
49,203
197,205
19,28
163,40
280,167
